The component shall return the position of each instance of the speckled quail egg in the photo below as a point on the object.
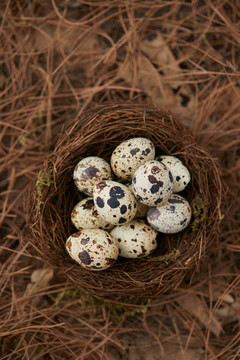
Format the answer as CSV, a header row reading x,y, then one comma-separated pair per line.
x,y
94,249
135,239
114,202
85,216
129,155
152,183
172,217
180,173
141,208
89,171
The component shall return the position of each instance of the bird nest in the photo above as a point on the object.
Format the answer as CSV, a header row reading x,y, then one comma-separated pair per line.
x,y
96,133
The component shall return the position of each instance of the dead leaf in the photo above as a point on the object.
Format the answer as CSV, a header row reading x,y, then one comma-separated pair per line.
x,y
160,54
223,297
141,73
81,52
171,351
197,308
229,313
148,80
40,279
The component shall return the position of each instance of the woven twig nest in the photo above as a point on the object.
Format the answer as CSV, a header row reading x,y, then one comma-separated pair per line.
x,y
97,132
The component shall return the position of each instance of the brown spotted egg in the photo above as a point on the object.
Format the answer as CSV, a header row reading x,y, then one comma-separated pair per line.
x,y
94,249
129,155
152,183
135,239
85,216
89,171
180,173
172,217
114,202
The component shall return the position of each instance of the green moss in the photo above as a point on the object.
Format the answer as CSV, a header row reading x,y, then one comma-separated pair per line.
x,y
22,139
44,179
64,293
173,255
200,211
118,310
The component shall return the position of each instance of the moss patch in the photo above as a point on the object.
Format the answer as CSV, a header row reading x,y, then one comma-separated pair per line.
x,y
173,255
200,211
118,310
44,179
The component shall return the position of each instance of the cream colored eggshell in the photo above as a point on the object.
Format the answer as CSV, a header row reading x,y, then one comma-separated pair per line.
x,y
85,216
129,155
114,202
180,173
89,171
172,217
152,183
135,239
141,208
93,249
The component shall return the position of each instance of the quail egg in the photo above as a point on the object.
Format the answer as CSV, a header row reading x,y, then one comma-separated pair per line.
x,y
129,155
85,216
180,173
114,202
172,217
94,249
152,183
135,239
89,171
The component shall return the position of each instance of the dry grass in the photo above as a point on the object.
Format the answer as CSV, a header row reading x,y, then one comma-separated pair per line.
x,y
61,57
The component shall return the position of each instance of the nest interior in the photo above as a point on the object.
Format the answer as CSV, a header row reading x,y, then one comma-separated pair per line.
x,y
96,133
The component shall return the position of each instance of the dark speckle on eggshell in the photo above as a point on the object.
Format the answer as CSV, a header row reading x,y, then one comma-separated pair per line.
x,y
89,173
155,188
76,235
171,208
175,201
155,170
101,185
134,151
153,213
84,241
113,203
110,261
146,152
170,176
183,222
69,244
84,257
123,209
117,192
109,240
122,220
100,202
89,204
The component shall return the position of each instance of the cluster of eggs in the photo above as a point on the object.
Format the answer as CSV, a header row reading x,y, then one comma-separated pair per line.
x,y
111,220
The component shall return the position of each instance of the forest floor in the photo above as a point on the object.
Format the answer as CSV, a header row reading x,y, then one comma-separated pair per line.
x,y
61,57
